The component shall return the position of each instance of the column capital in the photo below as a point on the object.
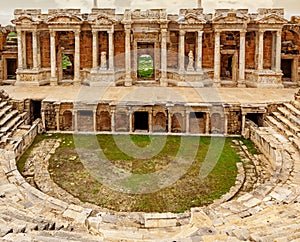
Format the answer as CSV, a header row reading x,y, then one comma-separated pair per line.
x,y
243,32
182,32
77,32
261,31
95,31
52,33
278,32
111,31
217,31
200,32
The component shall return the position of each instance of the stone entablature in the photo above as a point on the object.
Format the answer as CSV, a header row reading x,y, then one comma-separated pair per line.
x,y
188,49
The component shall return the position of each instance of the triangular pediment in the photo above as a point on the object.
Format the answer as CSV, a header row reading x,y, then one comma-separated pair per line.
x,y
230,18
64,19
26,19
191,19
103,19
272,18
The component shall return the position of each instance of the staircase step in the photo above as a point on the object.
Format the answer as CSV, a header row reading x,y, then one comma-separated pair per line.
x,y
5,110
287,123
7,117
289,115
2,104
10,124
293,109
278,125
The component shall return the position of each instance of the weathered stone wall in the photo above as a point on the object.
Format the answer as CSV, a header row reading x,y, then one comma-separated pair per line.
x,y
86,59
29,57
50,115
45,49
267,50
234,119
250,50
208,50
119,43
172,59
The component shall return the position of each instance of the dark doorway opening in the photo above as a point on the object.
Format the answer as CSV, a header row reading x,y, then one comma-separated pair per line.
x,y
36,107
11,69
286,67
141,121
257,118
226,66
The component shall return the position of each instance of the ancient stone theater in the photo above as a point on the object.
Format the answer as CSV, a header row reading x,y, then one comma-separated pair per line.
x,y
227,73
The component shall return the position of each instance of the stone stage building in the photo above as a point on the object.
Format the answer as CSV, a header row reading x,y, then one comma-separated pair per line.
x,y
229,48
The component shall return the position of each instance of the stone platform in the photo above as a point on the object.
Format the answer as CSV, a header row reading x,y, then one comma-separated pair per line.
x,y
150,95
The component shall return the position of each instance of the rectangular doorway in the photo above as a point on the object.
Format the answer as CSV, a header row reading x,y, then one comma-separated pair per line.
x,y
11,65
141,121
145,61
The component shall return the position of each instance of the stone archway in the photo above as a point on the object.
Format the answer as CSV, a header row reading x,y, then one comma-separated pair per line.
x,y
177,125
160,122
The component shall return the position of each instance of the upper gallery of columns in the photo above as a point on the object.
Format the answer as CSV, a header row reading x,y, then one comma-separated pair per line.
x,y
187,19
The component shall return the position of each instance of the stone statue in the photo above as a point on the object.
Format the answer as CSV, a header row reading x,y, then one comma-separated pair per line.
x,y
103,65
190,66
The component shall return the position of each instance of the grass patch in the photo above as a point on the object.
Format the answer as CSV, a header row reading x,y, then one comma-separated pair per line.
x,y
188,191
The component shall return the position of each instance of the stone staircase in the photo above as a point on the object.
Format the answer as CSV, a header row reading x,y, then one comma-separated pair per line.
x,y
12,123
287,121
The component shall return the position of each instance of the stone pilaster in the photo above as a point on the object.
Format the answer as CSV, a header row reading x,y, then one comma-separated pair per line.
x,y
130,121
111,49
53,78
128,79
169,122
199,52
241,81
150,121
75,120
273,62
77,58
113,122
207,122
163,57
217,60
95,49
181,50
95,120
243,123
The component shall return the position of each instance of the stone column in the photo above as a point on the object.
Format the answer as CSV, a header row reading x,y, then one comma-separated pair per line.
x,y
207,121
187,122
53,78
113,121
278,51
35,49
95,49
150,121
225,123
57,119
169,122
75,120
95,120
243,123
20,50
24,54
128,80
260,56
217,60
77,58
111,49
163,57
199,52
181,50
130,121
241,81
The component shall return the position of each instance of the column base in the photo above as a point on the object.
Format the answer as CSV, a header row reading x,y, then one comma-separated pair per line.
x,y
163,82
76,83
128,82
217,83
241,84
53,81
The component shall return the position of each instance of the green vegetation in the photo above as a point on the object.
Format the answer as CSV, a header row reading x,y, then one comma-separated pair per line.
x,y
68,171
145,66
66,62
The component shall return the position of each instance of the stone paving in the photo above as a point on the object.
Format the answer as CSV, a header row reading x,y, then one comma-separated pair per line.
x,y
265,208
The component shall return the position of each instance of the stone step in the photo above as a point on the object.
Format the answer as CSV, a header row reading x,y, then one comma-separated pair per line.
x,y
287,123
296,104
2,104
11,124
5,110
7,117
292,109
279,126
286,113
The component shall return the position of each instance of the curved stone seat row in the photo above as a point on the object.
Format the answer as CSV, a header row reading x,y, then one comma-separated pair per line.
x,y
269,210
